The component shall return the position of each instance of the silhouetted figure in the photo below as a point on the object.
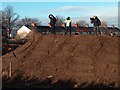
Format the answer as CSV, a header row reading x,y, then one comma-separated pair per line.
x,y
68,25
52,23
96,22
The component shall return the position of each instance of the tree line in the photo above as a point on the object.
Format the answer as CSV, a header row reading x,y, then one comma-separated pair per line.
x,y
11,20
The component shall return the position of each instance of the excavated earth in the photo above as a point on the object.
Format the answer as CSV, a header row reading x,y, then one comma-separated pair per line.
x,y
57,61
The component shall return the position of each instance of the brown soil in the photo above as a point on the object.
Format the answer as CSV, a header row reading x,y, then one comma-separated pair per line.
x,y
83,59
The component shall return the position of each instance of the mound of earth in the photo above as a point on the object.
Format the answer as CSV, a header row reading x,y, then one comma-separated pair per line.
x,y
83,59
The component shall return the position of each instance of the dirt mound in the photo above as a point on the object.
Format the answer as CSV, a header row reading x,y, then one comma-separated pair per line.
x,y
80,58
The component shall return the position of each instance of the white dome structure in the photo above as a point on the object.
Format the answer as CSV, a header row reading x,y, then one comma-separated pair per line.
x,y
23,31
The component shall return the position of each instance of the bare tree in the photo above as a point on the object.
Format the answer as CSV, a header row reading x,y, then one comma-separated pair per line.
x,y
9,17
103,24
0,18
28,21
0,24
81,23
60,20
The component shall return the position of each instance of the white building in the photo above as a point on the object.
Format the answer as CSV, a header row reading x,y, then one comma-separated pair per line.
x,y
23,31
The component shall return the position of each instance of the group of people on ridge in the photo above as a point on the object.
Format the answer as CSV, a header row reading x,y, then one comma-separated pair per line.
x,y
67,24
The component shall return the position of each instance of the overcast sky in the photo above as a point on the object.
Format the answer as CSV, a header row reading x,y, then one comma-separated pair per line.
x,y
106,11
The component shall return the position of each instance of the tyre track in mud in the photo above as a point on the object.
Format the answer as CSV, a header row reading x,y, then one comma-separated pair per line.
x,y
28,50
17,55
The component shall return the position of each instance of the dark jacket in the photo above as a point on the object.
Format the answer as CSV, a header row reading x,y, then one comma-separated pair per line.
x,y
97,22
52,20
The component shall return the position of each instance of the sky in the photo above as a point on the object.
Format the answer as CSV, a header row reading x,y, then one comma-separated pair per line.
x,y
106,11
60,0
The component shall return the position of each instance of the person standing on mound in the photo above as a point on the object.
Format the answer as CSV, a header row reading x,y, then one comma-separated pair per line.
x,y
68,25
52,23
96,22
